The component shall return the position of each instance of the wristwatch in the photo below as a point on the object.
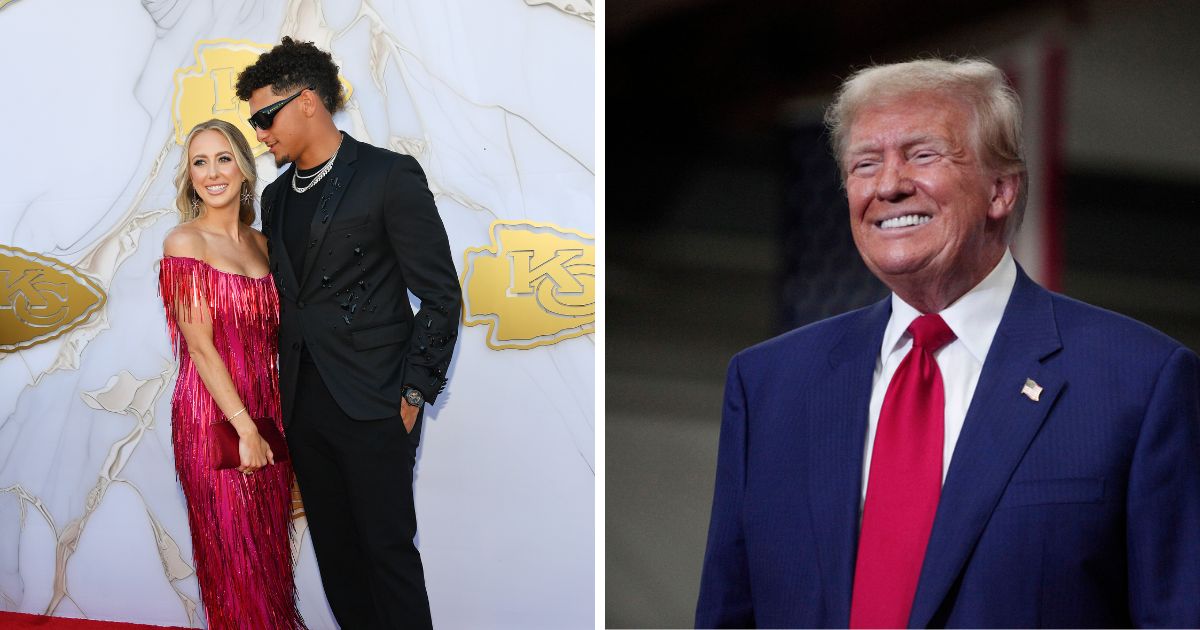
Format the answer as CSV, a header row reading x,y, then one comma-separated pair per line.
x,y
413,396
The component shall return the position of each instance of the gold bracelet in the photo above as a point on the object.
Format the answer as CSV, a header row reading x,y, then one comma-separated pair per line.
x,y
230,418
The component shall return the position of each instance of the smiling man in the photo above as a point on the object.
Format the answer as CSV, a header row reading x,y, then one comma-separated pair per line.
x,y
352,229
973,450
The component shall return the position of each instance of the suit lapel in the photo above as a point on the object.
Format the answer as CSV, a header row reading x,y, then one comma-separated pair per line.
x,y
839,426
339,177
999,426
273,212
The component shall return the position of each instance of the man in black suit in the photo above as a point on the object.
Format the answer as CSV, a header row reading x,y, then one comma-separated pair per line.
x,y
352,228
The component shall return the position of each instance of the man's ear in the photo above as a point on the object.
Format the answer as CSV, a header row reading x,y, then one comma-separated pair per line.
x,y
311,101
1005,188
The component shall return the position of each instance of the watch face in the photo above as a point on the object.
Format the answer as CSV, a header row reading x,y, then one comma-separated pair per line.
x,y
414,397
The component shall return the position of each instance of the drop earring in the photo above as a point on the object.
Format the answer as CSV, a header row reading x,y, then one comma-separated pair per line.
x,y
195,202
245,193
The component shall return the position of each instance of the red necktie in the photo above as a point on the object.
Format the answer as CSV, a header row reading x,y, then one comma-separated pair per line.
x,y
904,484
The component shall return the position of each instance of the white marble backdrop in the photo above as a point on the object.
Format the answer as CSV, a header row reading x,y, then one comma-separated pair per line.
x,y
496,100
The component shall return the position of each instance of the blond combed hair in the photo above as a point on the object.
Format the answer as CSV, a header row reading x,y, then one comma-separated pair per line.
x,y
185,193
994,105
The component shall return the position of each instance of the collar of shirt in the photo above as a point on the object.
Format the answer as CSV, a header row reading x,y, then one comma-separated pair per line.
x,y
974,317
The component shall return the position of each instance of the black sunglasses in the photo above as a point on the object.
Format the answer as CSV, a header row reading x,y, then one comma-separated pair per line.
x,y
265,117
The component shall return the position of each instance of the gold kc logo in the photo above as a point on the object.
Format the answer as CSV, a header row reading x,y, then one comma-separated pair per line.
x,y
534,286
41,298
207,89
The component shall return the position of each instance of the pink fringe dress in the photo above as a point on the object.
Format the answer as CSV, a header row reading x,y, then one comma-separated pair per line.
x,y
240,523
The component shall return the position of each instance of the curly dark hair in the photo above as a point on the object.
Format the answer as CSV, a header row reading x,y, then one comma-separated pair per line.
x,y
292,66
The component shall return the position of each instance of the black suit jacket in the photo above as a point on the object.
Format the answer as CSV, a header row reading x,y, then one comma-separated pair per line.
x,y
375,236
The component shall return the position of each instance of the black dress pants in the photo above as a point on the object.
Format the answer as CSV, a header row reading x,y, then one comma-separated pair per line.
x,y
356,479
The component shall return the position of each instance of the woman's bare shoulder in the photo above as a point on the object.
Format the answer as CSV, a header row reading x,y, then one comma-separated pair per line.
x,y
184,241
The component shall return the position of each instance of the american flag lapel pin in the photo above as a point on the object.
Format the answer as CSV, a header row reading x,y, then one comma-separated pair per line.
x,y
1032,390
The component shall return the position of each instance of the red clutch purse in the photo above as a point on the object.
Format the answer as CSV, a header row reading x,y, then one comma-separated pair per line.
x,y
224,441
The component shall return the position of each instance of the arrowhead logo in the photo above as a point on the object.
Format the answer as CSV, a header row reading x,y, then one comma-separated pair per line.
x,y
41,298
534,286
207,89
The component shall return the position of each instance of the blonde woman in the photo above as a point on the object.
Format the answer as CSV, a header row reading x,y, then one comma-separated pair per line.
x,y
223,314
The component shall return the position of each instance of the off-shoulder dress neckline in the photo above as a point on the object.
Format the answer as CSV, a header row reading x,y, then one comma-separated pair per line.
x,y
217,269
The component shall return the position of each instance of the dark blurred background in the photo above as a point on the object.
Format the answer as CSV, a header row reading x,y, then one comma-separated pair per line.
x,y
726,225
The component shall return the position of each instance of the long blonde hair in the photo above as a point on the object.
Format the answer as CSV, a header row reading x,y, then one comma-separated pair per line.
x,y
185,193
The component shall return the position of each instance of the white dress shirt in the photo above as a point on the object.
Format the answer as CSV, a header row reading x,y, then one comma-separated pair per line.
x,y
974,318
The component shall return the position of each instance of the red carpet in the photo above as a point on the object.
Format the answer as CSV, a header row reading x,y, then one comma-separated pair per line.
x,y
19,621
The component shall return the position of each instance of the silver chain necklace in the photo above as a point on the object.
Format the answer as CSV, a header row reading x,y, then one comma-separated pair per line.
x,y
316,176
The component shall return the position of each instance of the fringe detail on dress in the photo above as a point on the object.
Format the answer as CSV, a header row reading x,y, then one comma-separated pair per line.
x,y
240,524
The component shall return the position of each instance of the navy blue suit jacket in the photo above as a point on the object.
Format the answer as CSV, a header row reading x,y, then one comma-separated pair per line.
x,y
1081,509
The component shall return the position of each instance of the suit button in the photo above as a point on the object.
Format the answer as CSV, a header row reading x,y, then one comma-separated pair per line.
x,y
300,304
296,345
